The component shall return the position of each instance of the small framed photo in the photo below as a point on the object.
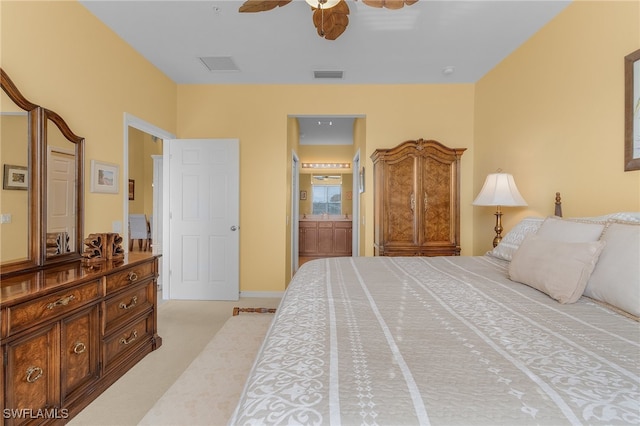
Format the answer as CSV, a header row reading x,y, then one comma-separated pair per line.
x,y
132,189
303,195
15,177
104,177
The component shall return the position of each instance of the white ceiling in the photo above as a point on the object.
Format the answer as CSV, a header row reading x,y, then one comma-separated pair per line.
x,y
326,130
281,46
412,45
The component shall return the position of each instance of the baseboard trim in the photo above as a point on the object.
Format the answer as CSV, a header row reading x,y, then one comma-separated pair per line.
x,y
274,294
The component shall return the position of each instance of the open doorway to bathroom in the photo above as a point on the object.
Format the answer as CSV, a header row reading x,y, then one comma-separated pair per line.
x,y
325,187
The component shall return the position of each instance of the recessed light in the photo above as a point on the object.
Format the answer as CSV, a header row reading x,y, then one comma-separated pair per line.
x,y
448,70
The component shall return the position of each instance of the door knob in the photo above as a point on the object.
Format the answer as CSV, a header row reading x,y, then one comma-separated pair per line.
x,y
234,228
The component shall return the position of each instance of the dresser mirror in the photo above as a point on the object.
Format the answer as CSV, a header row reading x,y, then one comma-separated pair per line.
x,y
42,195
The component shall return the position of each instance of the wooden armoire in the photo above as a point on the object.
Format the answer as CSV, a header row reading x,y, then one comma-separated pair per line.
x,y
417,199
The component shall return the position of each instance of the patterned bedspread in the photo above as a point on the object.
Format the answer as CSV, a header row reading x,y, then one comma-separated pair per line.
x,y
442,341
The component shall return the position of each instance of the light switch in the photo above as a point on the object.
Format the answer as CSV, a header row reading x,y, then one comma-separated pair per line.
x,y
5,218
116,226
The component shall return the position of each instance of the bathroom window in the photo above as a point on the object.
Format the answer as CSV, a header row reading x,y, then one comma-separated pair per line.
x,y
327,199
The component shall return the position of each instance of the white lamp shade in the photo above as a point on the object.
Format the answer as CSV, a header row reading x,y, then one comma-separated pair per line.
x,y
499,189
319,4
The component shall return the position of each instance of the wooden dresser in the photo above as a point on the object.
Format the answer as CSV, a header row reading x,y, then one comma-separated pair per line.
x,y
417,199
70,331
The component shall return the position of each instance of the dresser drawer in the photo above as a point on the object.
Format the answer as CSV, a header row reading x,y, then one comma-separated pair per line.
x,y
122,307
119,345
27,314
129,276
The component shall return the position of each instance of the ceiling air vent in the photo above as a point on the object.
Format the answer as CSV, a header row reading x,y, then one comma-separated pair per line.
x,y
327,74
219,63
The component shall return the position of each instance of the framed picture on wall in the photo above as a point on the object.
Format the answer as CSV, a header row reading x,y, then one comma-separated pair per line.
x,y
104,177
15,177
132,189
303,195
632,111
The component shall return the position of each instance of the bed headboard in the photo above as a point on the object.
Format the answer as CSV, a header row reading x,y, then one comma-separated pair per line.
x,y
558,211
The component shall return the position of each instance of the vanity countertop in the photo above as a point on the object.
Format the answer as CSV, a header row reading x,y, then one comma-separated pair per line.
x,y
321,218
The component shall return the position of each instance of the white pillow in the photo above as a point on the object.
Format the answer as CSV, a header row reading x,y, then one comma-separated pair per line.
x,y
512,240
570,230
616,277
559,269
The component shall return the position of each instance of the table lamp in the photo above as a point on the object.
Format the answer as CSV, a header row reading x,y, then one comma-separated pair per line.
x,y
499,190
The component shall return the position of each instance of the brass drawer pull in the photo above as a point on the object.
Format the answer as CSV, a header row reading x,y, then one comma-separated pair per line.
x,y
134,302
132,276
34,370
133,336
63,301
79,348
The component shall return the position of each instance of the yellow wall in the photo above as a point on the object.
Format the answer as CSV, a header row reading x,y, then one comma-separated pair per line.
x,y
325,154
61,57
259,116
552,114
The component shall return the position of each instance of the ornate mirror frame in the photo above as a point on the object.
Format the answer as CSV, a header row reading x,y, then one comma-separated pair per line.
x,y
40,120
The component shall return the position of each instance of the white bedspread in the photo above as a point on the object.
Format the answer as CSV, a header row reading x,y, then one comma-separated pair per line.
x,y
442,341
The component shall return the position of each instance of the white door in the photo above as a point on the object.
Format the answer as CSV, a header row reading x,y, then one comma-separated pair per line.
x,y
204,236
61,186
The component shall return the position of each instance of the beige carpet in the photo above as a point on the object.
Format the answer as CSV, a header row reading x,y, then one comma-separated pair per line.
x,y
207,392
187,328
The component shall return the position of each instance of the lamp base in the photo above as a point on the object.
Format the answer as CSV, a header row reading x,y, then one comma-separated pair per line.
x,y
498,227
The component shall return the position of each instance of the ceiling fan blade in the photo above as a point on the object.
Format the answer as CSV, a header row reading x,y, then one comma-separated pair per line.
x,y
389,4
251,6
334,22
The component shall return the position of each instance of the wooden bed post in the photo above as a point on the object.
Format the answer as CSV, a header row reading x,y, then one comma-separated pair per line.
x,y
558,211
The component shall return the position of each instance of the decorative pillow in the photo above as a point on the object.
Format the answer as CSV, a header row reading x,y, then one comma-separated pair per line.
x,y
616,277
511,241
559,269
570,230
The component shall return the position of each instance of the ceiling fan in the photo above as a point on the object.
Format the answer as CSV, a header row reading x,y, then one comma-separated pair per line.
x,y
330,17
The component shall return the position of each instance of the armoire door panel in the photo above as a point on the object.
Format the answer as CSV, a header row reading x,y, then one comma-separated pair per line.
x,y
436,188
400,187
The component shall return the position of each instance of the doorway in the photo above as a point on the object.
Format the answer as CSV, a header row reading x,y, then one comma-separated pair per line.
x,y
149,193
328,147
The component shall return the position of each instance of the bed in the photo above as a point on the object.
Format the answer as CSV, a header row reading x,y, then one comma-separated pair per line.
x,y
483,340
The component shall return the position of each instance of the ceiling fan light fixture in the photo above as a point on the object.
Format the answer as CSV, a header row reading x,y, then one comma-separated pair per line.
x,y
322,4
